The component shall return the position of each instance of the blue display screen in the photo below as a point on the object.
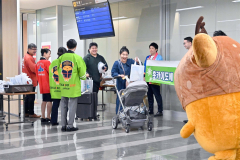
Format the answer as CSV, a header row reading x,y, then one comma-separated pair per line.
x,y
94,21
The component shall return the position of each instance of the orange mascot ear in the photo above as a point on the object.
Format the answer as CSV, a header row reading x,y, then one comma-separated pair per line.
x,y
204,49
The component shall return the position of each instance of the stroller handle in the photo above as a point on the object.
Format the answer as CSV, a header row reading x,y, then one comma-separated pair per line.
x,y
116,77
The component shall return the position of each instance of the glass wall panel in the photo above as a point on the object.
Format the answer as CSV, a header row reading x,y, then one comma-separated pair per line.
x,y
47,30
31,28
182,16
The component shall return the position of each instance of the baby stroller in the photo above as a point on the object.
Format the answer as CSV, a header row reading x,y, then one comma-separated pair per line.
x,y
133,113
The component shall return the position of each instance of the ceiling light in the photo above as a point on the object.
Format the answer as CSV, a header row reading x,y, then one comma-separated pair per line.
x,y
183,9
236,1
229,20
50,18
119,18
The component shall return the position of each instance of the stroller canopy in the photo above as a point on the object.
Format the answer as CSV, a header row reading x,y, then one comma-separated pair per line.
x,y
133,95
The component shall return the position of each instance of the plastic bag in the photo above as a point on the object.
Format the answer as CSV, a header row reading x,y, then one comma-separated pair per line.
x,y
20,79
83,87
107,74
101,67
87,85
1,86
25,79
137,72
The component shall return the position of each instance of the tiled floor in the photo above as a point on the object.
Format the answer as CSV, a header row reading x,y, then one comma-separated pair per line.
x,y
97,140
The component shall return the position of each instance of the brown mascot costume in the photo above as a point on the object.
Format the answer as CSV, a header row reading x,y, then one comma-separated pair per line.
x,y
207,82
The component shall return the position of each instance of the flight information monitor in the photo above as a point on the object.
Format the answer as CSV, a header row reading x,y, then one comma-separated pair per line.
x,y
94,19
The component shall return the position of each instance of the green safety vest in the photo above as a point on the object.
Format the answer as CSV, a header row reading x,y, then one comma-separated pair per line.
x,y
54,80
71,70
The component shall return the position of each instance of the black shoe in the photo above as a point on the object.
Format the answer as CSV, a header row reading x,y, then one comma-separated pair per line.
x,y
185,121
48,120
43,120
64,128
55,124
150,113
158,114
71,129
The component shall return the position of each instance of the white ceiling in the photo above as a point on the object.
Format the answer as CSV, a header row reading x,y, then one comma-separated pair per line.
x,y
39,4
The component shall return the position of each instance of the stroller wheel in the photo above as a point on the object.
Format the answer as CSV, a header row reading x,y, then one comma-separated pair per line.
x,y
127,128
115,122
149,126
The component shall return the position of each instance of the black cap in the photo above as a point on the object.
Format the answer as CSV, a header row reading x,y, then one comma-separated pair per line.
x,y
31,46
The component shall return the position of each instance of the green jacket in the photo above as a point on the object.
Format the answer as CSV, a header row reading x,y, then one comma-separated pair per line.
x,y
71,70
54,80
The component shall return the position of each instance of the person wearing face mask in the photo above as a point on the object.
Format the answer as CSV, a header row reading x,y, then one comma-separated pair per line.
x,y
122,68
91,60
154,89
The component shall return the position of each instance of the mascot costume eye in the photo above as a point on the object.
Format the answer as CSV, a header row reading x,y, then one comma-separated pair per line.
x,y
207,82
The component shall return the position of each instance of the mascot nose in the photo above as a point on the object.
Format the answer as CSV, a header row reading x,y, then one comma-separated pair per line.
x,y
205,50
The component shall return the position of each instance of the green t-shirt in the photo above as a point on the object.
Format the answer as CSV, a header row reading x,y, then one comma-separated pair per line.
x,y
54,80
71,70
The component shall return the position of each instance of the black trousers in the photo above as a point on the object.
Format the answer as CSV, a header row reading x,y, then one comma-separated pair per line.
x,y
154,90
96,86
29,103
54,115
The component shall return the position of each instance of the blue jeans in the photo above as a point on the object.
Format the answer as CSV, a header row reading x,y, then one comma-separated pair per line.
x,y
54,115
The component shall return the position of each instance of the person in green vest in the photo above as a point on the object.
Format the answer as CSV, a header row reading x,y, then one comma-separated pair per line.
x,y
71,70
55,90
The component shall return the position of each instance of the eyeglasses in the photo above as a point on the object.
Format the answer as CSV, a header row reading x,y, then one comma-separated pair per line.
x,y
184,43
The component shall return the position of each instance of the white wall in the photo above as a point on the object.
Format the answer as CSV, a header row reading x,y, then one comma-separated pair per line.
x,y
70,30
183,23
213,12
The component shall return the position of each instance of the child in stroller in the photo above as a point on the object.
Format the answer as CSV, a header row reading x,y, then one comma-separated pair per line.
x,y
133,114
